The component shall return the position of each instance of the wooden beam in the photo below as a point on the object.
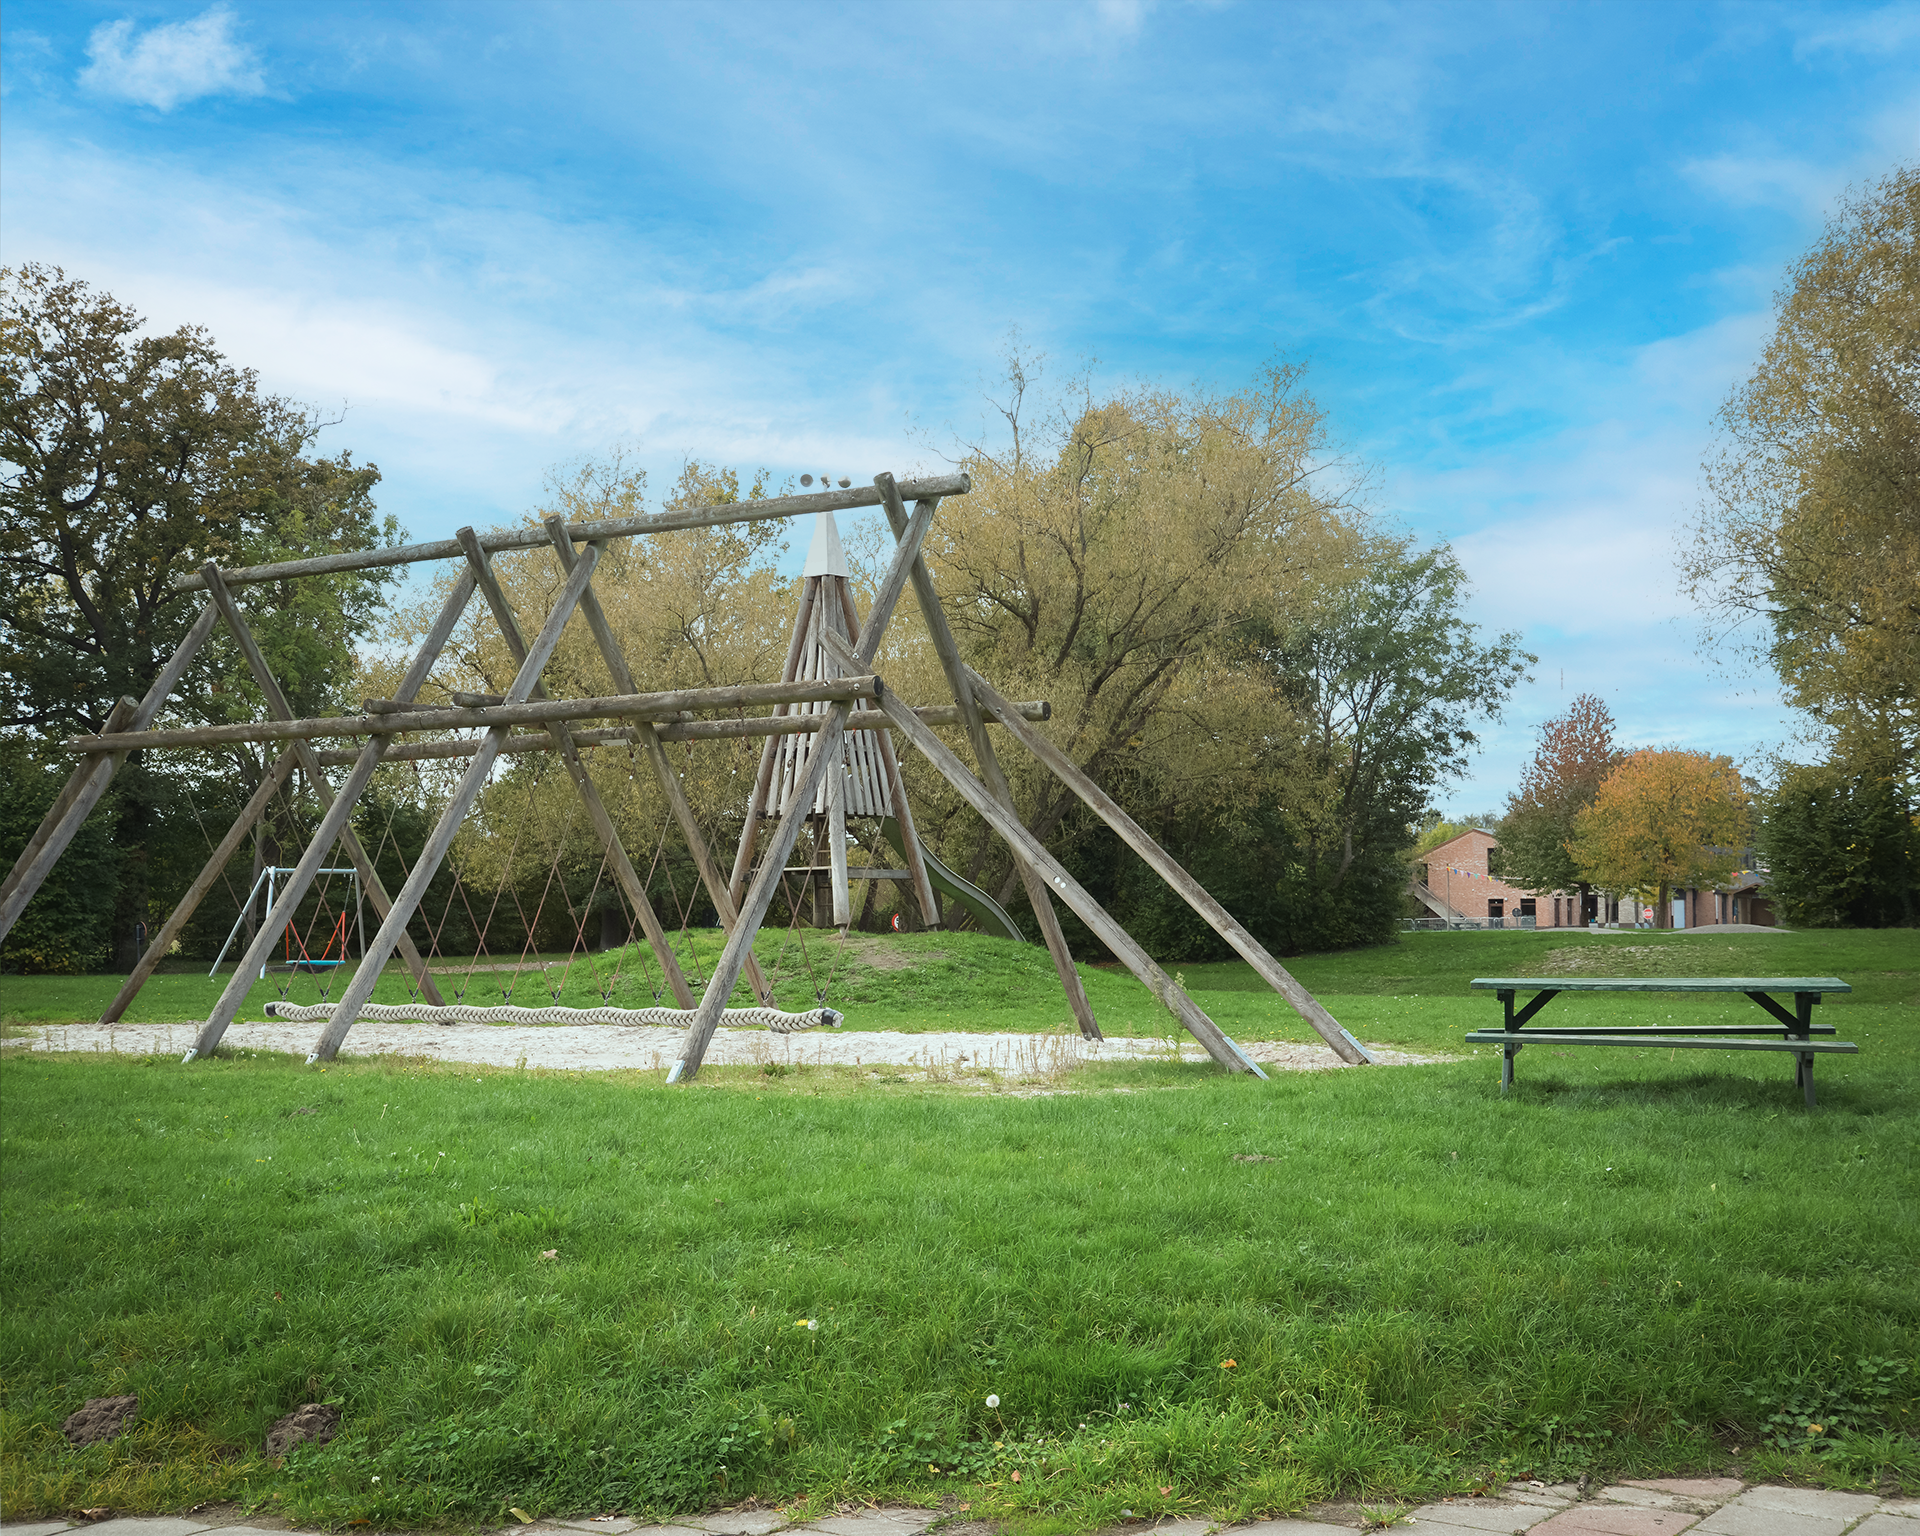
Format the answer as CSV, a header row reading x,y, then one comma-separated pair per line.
x,y
335,825
393,929
941,634
1076,896
214,868
582,533
770,753
282,710
693,1048
690,730
897,795
643,706
622,676
88,782
624,874
1168,869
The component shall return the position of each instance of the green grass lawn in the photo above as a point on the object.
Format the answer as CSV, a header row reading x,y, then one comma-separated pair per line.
x,y
1372,1283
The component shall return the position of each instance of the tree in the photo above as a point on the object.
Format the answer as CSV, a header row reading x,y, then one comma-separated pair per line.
x,y
1108,559
1842,847
1381,679
1812,516
1574,757
1661,820
130,459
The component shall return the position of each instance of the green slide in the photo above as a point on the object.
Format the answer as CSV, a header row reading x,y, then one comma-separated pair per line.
x,y
988,913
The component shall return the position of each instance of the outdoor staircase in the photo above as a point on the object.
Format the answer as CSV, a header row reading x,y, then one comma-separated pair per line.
x,y
1425,896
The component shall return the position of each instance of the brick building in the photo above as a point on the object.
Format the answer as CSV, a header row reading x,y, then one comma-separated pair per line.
x,y
1454,882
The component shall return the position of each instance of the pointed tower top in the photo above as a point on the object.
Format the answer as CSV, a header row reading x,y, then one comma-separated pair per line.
x,y
826,557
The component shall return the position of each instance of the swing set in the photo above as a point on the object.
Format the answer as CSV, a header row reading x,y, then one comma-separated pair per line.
x,y
333,936
826,731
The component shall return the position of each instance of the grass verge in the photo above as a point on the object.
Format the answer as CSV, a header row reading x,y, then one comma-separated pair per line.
x,y
1222,1299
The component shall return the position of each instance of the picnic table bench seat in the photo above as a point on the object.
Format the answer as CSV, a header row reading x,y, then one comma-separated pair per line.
x,y
1793,1032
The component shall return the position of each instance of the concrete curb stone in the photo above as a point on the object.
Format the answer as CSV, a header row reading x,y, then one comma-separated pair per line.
x,y
1655,1507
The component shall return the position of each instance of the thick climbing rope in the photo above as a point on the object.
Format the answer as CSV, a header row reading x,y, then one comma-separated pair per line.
x,y
462,1013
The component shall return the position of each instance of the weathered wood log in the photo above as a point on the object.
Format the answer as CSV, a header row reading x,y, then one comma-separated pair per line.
x,y
1075,895
88,782
582,533
1190,890
622,676
214,868
941,634
335,821
726,971
770,752
644,706
393,929
624,874
693,730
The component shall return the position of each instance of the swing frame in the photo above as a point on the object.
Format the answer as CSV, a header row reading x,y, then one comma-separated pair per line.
x,y
644,720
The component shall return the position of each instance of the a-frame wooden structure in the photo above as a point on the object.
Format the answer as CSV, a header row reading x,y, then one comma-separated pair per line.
x,y
821,701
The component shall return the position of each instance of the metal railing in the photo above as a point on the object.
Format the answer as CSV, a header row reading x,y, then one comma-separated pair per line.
x,y
1442,924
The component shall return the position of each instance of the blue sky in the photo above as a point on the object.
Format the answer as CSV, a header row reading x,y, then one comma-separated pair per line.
x,y
1526,249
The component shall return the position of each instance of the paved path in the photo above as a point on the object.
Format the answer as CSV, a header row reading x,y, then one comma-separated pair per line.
x,y
1711,1506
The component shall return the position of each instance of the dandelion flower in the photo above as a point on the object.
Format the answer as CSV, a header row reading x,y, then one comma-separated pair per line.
x,y
1227,1365
813,1323
993,1399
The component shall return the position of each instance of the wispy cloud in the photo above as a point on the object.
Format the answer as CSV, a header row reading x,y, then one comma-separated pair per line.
x,y
172,63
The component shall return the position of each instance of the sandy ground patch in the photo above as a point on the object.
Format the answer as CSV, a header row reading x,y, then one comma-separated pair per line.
x,y
616,1047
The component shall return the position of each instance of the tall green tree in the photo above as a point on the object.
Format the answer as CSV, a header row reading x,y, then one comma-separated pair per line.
x,y
126,459
129,459
1841,843
1811,522
1575,754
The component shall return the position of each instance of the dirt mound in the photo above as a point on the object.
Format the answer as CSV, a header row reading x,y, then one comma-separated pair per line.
x,y
318,1422
102,1418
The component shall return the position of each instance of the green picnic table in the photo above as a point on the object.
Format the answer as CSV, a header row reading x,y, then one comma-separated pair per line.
x,y
1794,1032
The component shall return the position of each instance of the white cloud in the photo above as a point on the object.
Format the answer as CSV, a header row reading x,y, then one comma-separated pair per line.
x,y
171,63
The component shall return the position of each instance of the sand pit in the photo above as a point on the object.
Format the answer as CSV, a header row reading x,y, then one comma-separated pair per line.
x,y
614,1047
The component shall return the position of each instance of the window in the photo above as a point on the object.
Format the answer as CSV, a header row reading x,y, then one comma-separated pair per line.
x,y
1496,907
1526,906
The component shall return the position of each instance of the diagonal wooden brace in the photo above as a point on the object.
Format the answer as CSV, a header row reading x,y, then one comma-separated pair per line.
x,y
360,989
991,773
280,709
562,735
335,826
649,741
1076,896
799,806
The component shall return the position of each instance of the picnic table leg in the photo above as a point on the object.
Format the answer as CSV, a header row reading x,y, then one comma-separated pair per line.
x,y
1803,1017
1508,1052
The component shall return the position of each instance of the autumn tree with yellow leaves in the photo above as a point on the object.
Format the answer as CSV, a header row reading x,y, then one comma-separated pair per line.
x,y
1663,820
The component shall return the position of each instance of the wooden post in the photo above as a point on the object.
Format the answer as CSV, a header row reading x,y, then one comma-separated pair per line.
x,y
622,676
826,748
770,753
334,827
188,904
1185,886
89,779
840,899
280,709
897,795
1110,933
441,838
589,792
990,772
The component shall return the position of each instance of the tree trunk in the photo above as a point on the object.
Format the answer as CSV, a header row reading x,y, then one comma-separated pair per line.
x,y
1663,907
